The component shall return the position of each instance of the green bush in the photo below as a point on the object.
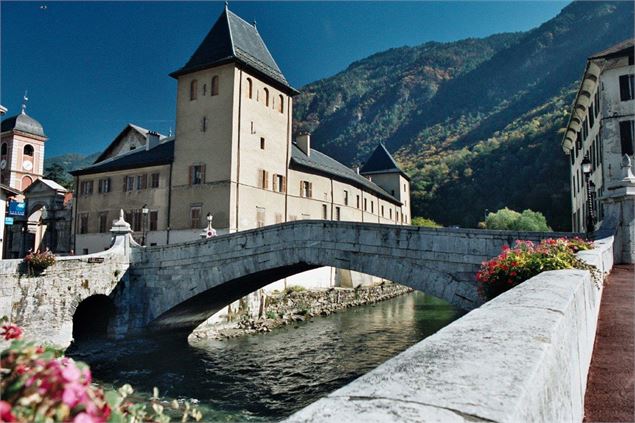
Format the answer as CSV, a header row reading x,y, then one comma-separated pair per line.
x,y
425,222
510,220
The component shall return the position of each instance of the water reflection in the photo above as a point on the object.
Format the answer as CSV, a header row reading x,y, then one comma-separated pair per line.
x,y
270,376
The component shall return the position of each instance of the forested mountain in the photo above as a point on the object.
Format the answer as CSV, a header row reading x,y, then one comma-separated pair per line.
x,y
474,122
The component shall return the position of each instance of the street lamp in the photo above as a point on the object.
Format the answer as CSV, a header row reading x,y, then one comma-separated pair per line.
x,y
590,218
144,212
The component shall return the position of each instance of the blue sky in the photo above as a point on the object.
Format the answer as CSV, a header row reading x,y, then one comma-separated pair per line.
x,y
92,67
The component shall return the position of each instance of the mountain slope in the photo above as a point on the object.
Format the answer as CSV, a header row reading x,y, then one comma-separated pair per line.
x,y
481,130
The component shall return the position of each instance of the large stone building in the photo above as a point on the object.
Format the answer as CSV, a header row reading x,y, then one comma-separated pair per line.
x,y
233,156
600,142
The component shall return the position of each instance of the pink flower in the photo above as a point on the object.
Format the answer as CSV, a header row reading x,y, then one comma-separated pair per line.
x,y
11,331
73,394
70,372
87,418
5,412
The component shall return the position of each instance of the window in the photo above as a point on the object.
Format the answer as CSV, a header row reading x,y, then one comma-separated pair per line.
x,y
626,136
346,198
204,124
306,189
104,185
28,150
193,89
103,222
195,217
5,149
142,181
597,103
578,142
154,220
128,183
132,147
154,180
250,88
264,179
382,211
397,216
136,223
626,87
262,143
281,103
83,223
215,85
86,188
266,97
197,174
365,204
325,212
337,213
260,217
390,213
372,207
358,201
591,115
279,183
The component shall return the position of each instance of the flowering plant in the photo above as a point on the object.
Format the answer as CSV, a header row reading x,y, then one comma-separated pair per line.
x,y
39,384
527,259
37,262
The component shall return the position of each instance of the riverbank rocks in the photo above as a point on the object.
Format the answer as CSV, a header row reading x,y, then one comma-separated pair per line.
x,y
298,305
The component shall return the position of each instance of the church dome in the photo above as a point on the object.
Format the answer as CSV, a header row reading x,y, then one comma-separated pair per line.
x,y
23,123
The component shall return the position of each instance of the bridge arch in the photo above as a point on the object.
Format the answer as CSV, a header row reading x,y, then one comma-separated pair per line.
x,y
92,317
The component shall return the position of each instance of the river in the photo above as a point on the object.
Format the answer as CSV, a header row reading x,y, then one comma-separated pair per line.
x,y
268,377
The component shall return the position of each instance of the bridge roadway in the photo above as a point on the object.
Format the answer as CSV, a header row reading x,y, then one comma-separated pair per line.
x,y
177,287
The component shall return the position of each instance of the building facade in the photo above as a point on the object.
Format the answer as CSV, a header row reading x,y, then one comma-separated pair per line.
x,y
600,141
600,133
233,156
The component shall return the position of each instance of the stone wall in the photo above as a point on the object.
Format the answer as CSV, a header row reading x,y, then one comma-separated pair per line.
x,y
523,356
44,305
294,305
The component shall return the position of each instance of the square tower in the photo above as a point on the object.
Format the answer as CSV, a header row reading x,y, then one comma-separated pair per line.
x,y
233,124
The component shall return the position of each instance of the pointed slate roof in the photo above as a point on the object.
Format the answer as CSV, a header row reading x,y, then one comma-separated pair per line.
x,y
233,39
381,161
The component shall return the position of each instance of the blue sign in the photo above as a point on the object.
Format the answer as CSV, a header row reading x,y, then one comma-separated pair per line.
x,y
17,208
8,221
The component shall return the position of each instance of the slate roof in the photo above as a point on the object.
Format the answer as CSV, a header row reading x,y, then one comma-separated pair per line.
x,y
624,48
113,144
139,158
233,39
10,190
328,166
23,123
381,161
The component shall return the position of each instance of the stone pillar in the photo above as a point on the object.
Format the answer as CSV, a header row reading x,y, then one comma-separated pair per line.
x,y
619,211
122,234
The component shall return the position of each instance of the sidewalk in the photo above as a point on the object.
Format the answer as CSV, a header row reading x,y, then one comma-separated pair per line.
x,y
610,394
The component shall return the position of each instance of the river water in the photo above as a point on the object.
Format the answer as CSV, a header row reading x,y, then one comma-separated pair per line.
x,y
268,377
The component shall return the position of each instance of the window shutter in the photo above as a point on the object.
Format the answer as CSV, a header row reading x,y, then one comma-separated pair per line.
x,y
274,185
284,184
202,174
624,88
125,179
310,190
191,171
266,179
144,181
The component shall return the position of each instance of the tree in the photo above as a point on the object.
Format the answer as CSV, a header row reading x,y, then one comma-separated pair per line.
x,y
57,173
510,220
425,222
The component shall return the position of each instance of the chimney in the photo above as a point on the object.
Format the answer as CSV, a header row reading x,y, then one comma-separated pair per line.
x,y
304,142
152,140
356,169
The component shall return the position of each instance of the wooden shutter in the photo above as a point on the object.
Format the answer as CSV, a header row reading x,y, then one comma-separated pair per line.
x,y
125,185
265,179
284,184
274,182
310,190
191,172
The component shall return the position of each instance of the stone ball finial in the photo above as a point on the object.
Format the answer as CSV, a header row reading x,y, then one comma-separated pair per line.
x,y
626,161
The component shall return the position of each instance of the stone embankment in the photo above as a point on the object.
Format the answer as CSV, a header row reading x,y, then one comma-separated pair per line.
x,y
296,305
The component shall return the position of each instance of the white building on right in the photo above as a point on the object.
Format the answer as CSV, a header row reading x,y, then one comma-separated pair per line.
x,y
600,140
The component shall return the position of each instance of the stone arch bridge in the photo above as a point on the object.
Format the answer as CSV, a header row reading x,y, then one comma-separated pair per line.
x,y
176,287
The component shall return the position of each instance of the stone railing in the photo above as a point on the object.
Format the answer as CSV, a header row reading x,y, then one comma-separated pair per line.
x,y
523,356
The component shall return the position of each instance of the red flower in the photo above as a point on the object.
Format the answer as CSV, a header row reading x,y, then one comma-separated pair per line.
x,y
11,331
5,412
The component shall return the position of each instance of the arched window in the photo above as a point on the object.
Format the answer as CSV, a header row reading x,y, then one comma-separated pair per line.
x,y
266,97
28,150
215,85
193,89
280,104
5,149
26,181
250,88
204,89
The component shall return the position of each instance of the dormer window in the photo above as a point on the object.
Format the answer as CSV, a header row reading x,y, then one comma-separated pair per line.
x,y
28,150
215,85
193,89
